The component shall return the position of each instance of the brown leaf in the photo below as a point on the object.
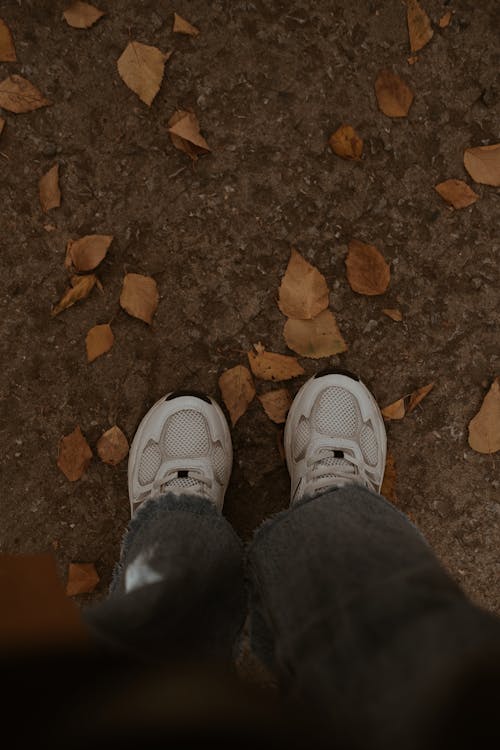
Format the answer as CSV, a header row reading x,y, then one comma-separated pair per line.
x,y
484,428
315,338
184,130
237,389
19,95
82,578
419,25
345,142
395,410
140,296
444,21
457,193
394,97
181,26
483,164
393,314
74,455
141,68
412,60
82,15
7,49
303,292
81,286
271,366
99,340
276,404
112,446
417,396
388,489
86,253
50,195
367,271
2,125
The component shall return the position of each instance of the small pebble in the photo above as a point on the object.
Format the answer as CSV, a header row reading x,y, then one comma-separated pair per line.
x,y
476,283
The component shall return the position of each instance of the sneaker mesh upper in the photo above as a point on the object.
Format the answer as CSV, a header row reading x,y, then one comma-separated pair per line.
x,y
336,413
185,434
150,463
369,446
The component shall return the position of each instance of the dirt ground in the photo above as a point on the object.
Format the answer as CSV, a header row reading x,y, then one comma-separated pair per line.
x,y
269,81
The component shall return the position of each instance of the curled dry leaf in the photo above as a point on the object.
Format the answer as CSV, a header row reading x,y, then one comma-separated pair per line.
x,y
457,193
276,404
141,68
388,489
237,389
181,26
419,25
345,142
50,194
82,15
396,410
444,21
393,314
184,130
99,340
2,125
303,292
82,579
139,296
7,49
316,338
367,271
394,97
483,164
112,446
19,95
484,428
417,396
86,253
81,286
271,366
74,455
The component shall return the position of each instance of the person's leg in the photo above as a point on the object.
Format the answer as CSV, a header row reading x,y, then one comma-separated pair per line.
x,y
350,606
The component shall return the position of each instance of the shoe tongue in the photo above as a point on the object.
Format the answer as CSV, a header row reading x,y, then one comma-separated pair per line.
x,y
182,483
334,465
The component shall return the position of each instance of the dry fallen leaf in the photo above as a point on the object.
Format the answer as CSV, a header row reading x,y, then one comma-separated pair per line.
x,y
99,340
444,21
367,271
303,292
316,338
184,130
74,455
141,68
393,313
457,193
50,194
394,97
237,389
82,15
19,95
417,396
388,489
419,25
7,49
181,26
484,428
412,60
395,410
271,366
112,446
276,404
345,142
483,164
81,286
2,125
82,579
139,296
86,253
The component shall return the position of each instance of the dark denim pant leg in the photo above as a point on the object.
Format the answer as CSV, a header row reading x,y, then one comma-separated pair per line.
x,y
179,587
357,617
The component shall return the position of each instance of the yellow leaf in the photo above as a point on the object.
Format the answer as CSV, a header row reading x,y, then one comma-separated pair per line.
x,y
7,49
393,313
271,366
82,15
417,396
457,193
276,404
81,286
394,97
86,253
141,68
303,292
50,195
483,164
74,455
99,340
112,446
395,410
367,271
419,25
139,296
181,26
82,579
237,389
316,338
484,428
185,135
345,142
19,95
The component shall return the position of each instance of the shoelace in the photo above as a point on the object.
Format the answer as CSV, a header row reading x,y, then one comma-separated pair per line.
x,y
325,469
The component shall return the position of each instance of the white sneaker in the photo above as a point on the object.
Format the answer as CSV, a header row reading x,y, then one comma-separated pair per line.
x,y
182,446
334,436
